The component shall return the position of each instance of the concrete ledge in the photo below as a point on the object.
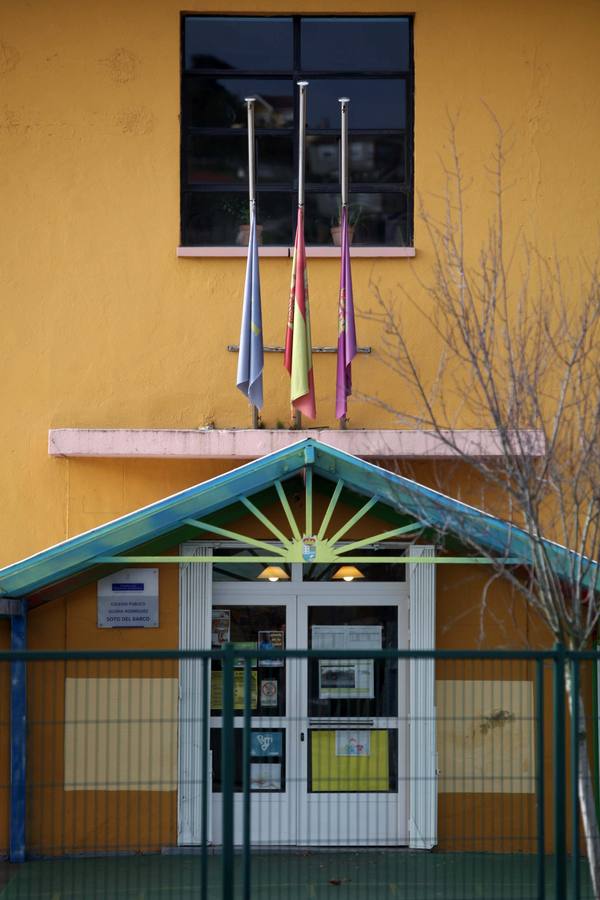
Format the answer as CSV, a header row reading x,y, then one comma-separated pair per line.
x,y
176,443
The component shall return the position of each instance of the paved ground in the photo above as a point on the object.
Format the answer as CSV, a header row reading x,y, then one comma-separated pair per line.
x,y
363,875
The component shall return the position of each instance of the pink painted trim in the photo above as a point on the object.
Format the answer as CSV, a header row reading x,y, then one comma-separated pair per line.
x,y
355,252
216,443
315,252
230,251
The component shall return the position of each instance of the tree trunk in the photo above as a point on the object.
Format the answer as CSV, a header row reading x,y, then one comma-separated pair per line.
x,y
587,805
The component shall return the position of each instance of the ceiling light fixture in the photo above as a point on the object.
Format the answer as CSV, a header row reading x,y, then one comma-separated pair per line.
x,y
347,573
273,573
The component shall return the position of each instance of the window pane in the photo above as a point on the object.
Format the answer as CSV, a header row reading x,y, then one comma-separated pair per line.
x,y
344,45
378,219
267,768
377,159
275,159
242,571
336,687
247,627
374,103
223,159
217,160
275,214
217,218
233,42
371,571
219,102
371,159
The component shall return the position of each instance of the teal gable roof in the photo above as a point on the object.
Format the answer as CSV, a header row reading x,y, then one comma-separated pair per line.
x,y
407,497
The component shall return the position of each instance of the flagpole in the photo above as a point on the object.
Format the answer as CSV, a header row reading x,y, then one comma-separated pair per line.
x,y
251,150
252,192
296,414
344,101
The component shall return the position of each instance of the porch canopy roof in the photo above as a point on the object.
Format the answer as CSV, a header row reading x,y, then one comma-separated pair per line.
x,y
411,508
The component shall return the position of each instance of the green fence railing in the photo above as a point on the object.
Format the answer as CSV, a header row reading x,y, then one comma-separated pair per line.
x,y
251,773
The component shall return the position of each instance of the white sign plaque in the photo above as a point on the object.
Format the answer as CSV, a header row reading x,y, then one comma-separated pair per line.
x,y
128,599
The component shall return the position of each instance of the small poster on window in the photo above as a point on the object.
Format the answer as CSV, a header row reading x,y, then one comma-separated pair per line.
x,y
268,694
271,640
244,645
266,743
265,776
346,679
216,690
352,743
221,628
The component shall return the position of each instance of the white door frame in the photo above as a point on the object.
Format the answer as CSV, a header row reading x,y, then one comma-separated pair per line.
x,y
196,599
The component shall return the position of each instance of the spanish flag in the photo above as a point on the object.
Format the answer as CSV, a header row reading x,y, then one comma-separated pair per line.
x,y
298,345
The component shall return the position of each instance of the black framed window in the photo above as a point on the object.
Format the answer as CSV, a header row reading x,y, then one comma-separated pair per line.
x,y
227,58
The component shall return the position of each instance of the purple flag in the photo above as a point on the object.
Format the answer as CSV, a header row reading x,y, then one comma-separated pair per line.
x,y
346,350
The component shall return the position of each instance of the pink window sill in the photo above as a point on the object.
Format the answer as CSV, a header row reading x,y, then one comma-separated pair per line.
x,y
323,252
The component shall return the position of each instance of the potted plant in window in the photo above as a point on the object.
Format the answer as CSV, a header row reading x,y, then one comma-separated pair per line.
x,y
354,211
238,210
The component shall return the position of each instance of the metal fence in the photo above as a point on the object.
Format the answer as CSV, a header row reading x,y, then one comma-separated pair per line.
x,y
245,773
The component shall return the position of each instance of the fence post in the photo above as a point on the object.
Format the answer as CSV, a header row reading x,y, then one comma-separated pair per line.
x,y
575,663
18,736
539,768
560,828
205,777
227,770
246,777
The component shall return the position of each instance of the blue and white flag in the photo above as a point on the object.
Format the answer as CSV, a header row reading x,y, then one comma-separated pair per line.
x,y
250,360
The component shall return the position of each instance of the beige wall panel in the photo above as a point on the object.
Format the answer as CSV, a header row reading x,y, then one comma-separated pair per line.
x,y
485,734
121,734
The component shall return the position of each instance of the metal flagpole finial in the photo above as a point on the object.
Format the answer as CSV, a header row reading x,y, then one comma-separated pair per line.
x,y
301,129
251,152
344,101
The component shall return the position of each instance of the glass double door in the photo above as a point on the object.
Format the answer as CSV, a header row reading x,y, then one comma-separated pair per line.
x,y
328,746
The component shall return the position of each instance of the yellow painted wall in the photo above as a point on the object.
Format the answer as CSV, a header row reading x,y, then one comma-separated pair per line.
x,y
103,326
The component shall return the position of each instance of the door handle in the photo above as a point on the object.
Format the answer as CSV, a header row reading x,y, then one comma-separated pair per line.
x,y
302,736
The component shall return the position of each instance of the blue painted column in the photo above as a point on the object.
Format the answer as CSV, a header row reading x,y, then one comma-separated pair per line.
x,y
18,736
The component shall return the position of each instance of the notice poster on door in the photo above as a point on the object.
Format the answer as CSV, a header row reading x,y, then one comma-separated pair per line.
x,y
240,662
265,776
216,690
346,679
266,743
347,637
221,628
349,772
268,694
271,640
353,743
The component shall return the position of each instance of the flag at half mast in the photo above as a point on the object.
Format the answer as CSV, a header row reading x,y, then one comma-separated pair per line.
x,y
250,360
346,349
298,344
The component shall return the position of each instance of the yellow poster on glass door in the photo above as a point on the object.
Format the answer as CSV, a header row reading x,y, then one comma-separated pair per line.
x,y
349,761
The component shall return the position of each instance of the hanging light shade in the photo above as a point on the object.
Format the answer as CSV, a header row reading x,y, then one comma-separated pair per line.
x,y
273,573
347,573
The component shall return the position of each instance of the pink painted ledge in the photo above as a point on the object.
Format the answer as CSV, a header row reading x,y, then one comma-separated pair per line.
x,y
178,443
371,252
